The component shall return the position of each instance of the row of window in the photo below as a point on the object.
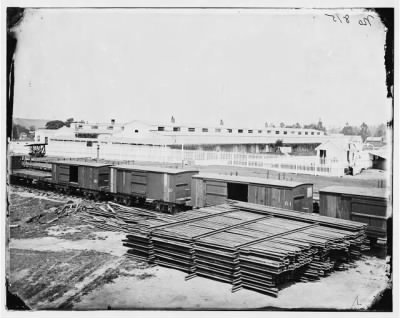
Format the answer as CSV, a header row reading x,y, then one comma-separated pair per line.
x,y
240,131
97,127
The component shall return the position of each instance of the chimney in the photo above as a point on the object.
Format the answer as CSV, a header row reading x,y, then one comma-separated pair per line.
x,y
112,121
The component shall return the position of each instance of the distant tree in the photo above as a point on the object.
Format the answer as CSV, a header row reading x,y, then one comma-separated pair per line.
x,y
32,128
282,125
320,126
173,119
221,122
278,143
68,122
17,130
364,131
266,124
347,130
380,131
54,124
297,125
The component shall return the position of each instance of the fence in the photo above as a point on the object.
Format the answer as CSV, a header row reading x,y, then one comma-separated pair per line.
x,y
123,152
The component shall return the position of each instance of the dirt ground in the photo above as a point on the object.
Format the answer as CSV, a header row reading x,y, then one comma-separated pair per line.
x,y
66,264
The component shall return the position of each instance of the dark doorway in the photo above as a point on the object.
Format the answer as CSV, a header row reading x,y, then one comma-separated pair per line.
x,y
73,173
238,191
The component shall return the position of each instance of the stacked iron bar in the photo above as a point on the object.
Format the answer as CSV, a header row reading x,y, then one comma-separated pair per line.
x,y
253,247
143,245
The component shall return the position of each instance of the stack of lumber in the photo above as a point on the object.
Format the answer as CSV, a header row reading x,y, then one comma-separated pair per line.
x,y
257,248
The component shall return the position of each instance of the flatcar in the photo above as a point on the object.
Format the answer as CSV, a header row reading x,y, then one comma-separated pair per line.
x,y
211,189
367,205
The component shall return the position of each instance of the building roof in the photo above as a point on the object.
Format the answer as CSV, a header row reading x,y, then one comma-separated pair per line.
x,y
360,191
338,144
154,169
81,163
376,139
383,153
252,180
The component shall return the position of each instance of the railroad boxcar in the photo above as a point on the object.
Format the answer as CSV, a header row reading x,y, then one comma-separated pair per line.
x,y
16,162
367,205
212,189
90,177
165,187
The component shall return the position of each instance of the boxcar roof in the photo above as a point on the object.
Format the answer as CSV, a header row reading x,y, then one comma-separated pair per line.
x,y
81,163
154,169
369,192
253,180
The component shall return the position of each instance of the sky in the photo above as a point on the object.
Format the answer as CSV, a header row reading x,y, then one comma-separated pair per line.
x,y
244,66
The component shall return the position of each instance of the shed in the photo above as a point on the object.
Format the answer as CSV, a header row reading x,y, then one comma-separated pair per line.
x,y
82,174
367,205
379,159
212,189
156,183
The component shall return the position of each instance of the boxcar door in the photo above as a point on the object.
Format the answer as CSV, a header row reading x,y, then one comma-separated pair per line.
x,y
276,197
215,192
344,208
298,203
331,205
287,199
139,183
260,195
120,181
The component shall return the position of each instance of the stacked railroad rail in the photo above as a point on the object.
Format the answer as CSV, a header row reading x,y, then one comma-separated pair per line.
x,y
249,246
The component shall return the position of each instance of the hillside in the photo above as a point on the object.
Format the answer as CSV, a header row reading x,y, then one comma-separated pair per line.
x,y
26,122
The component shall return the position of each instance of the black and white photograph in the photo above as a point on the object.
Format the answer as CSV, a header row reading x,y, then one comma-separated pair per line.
x,y
199,157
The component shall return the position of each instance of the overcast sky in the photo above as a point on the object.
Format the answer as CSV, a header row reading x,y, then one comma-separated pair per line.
x,y
244,66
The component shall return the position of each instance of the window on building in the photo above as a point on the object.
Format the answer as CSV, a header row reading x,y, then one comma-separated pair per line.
x,y
110,127
240,131
250,131
299,133
192,129
204,129
268,131
136,131
312,133
80,126
159,128
46,140
318,133
285,132
95,127
177,129
277,132
292,132
306,132
260,131
218,130
229,130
